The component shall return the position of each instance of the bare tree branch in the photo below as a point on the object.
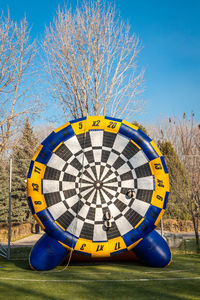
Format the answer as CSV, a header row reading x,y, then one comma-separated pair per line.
x,y
16,77
92,62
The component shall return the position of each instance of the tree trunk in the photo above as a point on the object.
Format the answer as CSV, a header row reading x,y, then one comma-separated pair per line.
x,y
197,241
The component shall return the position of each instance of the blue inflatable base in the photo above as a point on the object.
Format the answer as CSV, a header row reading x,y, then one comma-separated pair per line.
x,y
48,253
153,251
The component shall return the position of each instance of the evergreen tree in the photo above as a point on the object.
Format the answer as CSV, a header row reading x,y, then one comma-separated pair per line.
x,y
22,154
179,183
4,194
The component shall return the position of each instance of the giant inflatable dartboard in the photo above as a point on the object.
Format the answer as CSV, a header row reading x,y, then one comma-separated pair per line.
x,y
98,185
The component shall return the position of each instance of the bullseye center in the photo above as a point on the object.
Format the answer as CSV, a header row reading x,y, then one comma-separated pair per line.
x,y
98,185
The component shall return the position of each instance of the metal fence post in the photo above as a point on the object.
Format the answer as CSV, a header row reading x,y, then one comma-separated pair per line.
x,y
9,210
161,225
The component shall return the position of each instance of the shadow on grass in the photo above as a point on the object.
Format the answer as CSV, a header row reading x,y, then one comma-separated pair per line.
x,y
22,264
8,292
181,260
98,290
63,289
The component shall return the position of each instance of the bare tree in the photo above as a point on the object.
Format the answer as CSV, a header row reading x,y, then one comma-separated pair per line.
x,y
184,135
189,134
92,62
43,130
16,77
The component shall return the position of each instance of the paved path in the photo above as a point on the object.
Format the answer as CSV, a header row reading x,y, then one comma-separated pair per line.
x,y
184,235
26,242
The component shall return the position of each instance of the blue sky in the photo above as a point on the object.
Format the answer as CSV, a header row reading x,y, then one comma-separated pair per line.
x,y
170,34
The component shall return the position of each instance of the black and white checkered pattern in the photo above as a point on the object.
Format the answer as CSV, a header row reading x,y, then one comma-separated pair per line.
x,y
90,174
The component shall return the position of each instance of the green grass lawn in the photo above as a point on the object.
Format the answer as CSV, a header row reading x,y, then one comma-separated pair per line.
x,y
110,281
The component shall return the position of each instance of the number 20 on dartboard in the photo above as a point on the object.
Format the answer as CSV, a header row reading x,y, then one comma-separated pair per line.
x,y
112,125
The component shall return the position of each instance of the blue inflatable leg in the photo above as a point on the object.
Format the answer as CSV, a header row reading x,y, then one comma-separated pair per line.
x,y
46,254
153,250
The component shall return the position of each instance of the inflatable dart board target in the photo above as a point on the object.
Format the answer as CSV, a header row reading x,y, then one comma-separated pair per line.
x,y
98,186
